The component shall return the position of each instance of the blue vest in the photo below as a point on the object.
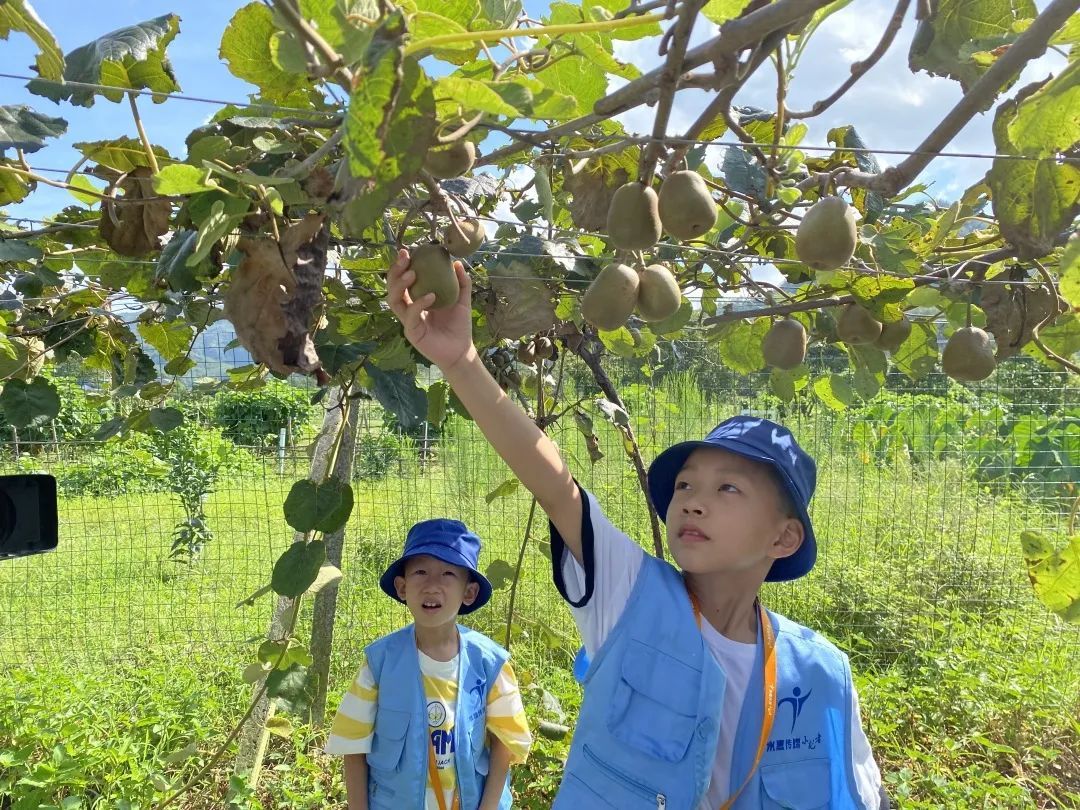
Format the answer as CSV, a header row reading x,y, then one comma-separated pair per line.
x,y
398,761
649,723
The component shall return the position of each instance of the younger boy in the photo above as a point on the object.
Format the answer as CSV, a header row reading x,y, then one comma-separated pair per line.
x,y
696,697
434,718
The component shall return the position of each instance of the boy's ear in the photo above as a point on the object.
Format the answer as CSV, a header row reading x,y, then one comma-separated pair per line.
x,y
472,590
399,586
789,539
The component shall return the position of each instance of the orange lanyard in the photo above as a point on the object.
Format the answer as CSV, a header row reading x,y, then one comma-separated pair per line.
x,y
436,781
769,643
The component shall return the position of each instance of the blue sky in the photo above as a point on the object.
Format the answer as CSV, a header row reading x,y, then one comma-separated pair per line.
x,y
891,107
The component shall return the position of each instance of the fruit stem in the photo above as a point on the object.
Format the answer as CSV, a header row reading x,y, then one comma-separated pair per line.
x,y
502,33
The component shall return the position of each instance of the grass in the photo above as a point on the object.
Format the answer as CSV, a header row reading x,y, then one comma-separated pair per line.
x,y
117,660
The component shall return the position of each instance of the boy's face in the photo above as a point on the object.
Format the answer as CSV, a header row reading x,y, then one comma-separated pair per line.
x,y
727,516
434,590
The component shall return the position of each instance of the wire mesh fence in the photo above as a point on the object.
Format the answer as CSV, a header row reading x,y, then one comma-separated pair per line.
x,y
923,492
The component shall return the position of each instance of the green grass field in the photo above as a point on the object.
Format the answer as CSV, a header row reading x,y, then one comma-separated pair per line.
x,y
117,658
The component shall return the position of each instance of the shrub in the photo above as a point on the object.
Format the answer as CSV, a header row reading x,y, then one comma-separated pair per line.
x,y
254,418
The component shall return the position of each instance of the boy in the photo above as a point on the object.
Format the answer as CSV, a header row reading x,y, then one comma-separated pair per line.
x,y
696,698
434,719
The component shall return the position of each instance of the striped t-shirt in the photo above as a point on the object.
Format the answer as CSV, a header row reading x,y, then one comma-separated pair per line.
x,y
354,724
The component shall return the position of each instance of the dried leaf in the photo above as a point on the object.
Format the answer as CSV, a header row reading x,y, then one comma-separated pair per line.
x,y
592,193
1012,312
129,225
274,294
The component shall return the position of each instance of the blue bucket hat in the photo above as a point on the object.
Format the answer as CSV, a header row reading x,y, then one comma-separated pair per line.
x,y
759,440
446,540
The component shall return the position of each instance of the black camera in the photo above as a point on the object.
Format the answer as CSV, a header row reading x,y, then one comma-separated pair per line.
x,y
28,521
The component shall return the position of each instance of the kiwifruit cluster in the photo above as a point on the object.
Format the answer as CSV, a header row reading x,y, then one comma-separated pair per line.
x,y
637,215
784,345
434,268
968,355
465,239
501,364
620,289
856,325
536,348
450,161
893,335
827,236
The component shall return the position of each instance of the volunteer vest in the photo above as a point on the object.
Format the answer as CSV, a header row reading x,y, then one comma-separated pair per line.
x,y
398,760
649,724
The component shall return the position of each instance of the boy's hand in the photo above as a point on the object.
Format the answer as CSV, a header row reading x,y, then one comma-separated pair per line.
x,y
443,336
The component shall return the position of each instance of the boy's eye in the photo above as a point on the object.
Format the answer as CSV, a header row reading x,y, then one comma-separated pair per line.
x,y
728,488
682,485
419,572
450,574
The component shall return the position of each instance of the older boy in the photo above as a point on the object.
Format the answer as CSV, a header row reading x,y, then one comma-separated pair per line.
x,y
434,718
696,698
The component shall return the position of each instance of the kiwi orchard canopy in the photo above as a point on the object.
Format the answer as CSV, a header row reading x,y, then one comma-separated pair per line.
x,y
283,214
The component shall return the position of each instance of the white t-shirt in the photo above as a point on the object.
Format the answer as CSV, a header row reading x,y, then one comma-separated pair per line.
x,y
617,562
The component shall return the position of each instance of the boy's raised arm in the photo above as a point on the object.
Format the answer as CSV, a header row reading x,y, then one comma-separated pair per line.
x,y
445,338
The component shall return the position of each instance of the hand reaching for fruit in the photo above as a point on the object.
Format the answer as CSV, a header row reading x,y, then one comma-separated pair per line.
x,y
442,335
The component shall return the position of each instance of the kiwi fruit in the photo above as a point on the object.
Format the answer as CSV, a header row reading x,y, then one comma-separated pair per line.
x,y
827,236
633,221
658,296
856,325
687,210
544,348
474,235
453,161
526,352
434,270
893,335
968,355
784,345
611,297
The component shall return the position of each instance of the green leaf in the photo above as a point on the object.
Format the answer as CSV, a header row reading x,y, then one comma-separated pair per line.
x,y
19,15
1033,200
128,58
720,11
501,13
389,126
297,569
399,394
27,129
503,490
426,24
438,397
1054,573
81,181
246,47
834,391
29,404
284,654
473,95
166,419
670,327
500,574
293,689
740,345
180,366
169,339
944,43
329,576
850,149
13,187
172,264
575,77
321,507
613,413
182,178
1048,121
121,154
532,98
918,355
211,230
279,726
1069,272
15,250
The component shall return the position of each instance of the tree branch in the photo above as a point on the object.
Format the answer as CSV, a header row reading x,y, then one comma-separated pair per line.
x,y
679,35
331,58
1029,45
859,69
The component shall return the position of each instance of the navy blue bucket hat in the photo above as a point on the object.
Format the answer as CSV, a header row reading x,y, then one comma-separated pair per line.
x,y
446,540
759,440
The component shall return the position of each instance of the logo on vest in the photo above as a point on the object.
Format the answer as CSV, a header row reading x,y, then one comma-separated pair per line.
x,y
797,701
436,713
443,744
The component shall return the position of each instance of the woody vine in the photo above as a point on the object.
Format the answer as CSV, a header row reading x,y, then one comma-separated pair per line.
x,y
377,125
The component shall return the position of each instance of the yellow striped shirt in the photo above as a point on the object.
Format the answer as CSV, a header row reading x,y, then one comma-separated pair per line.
x,y
354,724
